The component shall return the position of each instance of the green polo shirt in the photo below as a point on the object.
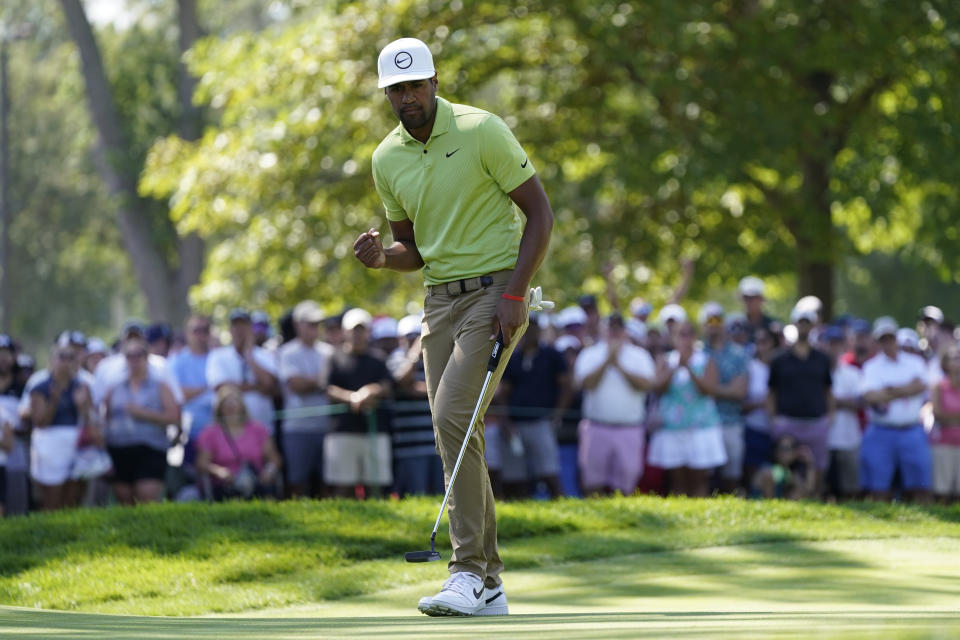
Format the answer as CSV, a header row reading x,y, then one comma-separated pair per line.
x,y
454,189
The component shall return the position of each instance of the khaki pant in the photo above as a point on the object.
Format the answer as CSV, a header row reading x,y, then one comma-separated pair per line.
x,y
456,349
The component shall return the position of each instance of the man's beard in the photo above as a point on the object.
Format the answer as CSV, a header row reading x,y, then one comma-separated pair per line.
x,y
415,119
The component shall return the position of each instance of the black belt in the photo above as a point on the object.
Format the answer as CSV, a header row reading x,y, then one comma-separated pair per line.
x,y
458,287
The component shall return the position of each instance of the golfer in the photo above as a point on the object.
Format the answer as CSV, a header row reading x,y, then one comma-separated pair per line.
x,y
451,178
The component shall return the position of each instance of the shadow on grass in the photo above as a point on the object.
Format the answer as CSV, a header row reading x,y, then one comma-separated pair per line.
x,y
54,625
328,539
200,531
904,512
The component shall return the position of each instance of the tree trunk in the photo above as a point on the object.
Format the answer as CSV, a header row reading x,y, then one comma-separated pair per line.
x,y
191,247
815,235
165,286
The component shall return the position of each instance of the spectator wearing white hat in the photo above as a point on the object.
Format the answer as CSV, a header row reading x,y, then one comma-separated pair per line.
x,y
189,367
894,383
96,351
936,334
417,468
384,336
615,376
357,450
60,407
752,290
800,399
929,326
637,332
945,436
572,321
304,367
670,317
250,367
844,437
729,392
909,341
689,441
640,309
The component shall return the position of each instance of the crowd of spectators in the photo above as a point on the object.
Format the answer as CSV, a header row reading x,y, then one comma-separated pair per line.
x,y
636,400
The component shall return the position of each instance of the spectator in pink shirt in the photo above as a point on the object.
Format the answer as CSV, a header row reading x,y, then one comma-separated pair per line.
x,y
236,454
945,436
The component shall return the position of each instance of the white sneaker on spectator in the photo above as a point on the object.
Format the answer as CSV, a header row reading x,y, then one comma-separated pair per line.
x,y
463,594
494,602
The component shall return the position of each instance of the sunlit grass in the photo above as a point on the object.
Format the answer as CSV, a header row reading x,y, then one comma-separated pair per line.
x,y
194,559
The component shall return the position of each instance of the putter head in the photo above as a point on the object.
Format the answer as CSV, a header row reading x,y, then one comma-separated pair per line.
x,y
421,556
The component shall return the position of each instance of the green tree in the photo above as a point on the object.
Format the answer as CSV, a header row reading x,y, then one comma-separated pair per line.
x,y
774,136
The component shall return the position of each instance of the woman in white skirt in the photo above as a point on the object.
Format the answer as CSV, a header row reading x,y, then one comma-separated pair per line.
x,y
688,442
60,407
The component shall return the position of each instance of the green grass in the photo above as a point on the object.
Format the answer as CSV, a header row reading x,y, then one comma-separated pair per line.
x,y
186,560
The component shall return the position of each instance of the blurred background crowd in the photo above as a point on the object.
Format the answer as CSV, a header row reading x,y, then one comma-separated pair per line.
x,y
629,399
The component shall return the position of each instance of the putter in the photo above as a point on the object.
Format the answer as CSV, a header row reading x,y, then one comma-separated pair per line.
x,y
535,302
433,554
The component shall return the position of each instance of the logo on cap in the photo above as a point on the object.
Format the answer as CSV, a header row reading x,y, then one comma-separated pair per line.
x,y
403,60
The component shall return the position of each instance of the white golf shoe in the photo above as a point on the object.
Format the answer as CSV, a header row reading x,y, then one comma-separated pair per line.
x,y
463,594
494,604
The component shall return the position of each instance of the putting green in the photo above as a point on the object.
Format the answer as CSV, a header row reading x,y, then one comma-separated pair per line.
x,y
896,588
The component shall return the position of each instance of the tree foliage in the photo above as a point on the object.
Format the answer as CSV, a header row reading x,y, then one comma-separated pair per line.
x,y
768,137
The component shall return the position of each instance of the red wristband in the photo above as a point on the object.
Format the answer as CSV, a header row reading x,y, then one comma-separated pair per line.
x,y
517,298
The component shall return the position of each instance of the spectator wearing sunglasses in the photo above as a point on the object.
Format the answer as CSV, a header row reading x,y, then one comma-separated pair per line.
x,y
138,410
112,370
732,365
189,367
60,406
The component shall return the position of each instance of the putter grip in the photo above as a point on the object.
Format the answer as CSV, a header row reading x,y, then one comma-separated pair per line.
x,y
497,352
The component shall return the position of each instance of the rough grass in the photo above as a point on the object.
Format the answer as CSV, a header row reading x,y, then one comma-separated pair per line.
x,y
195,559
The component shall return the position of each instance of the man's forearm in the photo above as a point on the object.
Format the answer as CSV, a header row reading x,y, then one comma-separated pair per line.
x,y
403,256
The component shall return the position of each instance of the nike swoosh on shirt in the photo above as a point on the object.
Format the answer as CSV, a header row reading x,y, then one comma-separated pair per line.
x,y
525,161
454,151
477,594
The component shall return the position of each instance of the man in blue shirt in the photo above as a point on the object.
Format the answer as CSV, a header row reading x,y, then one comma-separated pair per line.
x,y
190,369
732,365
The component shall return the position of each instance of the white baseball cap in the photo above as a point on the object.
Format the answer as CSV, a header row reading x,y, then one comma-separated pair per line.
x,y
571,316
307,311
803,313
908,338
404,60
812,303
751,286
410,325
96,345
636,329
383,327
710,310
355,318
884,326
566,342
672,312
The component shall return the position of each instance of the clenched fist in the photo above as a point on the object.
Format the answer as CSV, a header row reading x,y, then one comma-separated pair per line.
x,y
369,249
